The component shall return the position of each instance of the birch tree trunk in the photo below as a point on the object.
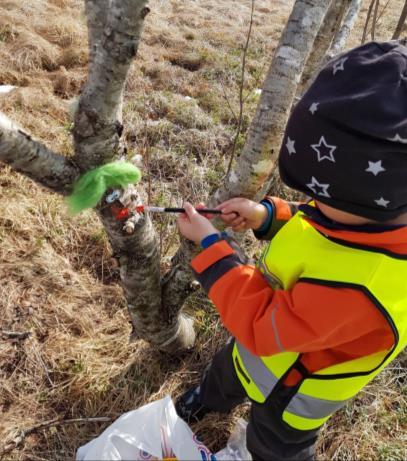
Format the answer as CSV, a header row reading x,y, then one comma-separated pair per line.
x,y
256,161
343,34
328,30
331,38
114,28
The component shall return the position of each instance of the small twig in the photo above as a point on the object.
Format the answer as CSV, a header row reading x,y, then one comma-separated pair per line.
x,y
19,440
228,102
369,13
15,334
241,88
44,366
374,23
379,16
146,148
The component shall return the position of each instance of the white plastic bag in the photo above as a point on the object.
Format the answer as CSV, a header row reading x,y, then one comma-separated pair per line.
x,y
236,448
151,432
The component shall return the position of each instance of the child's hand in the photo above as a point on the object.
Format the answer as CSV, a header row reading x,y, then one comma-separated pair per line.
x,y
193,225
241,214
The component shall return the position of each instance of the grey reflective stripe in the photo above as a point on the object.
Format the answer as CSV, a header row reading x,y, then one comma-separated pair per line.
x,y
312,407
264,379
275,329
274,283
271,279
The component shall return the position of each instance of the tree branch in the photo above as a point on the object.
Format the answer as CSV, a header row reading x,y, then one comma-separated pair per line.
x,y
35,160
368,15
374,21
15,334
401,22
241,88
98,126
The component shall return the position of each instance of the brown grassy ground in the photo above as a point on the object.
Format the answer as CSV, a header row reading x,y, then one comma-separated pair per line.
x,y
58,280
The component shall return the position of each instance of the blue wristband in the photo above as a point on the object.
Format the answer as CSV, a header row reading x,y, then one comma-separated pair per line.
x,y
212,238
266,225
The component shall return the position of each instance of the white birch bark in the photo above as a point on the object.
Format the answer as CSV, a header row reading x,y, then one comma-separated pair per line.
x,y
98,121
34,159
345,30
328,30
114,36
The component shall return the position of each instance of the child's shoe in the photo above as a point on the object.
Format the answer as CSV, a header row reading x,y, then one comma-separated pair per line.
x,y
189,407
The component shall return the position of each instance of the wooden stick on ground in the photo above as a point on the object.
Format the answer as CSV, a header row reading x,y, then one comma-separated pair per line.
x,y
24,433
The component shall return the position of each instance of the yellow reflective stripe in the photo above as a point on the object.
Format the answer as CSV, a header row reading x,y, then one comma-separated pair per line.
x,y
303,424
360,364
342,388
280,363
313,407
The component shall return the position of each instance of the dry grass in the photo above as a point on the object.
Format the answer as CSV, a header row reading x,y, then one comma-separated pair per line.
x,y
58,280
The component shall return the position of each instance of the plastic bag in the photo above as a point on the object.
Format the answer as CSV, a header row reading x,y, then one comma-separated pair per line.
x,y
151,432
236,448
156,432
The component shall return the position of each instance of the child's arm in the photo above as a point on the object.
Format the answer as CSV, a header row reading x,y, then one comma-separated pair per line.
x,y
264,218
282,211
310,317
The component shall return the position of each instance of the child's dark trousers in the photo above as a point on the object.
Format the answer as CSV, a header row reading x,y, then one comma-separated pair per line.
x,y
269,438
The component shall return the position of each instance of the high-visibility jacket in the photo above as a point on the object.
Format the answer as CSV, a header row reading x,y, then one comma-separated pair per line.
x,y
299,252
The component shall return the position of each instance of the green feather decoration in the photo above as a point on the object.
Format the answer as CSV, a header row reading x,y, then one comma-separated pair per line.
x,y
90,188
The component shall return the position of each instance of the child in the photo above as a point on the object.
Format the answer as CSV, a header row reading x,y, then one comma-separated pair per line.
x,y
325,309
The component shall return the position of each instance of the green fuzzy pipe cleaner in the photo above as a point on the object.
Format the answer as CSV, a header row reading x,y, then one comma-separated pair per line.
x,y
90,188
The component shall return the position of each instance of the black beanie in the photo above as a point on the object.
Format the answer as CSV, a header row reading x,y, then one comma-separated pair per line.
x,y
346,141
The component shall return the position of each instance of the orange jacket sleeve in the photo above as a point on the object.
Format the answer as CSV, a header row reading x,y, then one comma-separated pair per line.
x,y
309,317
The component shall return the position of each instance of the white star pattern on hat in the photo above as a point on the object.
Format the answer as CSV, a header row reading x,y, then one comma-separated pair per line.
x,y
382,202
375,167
339,65
323,144
323,188
398,138
313,107
290,146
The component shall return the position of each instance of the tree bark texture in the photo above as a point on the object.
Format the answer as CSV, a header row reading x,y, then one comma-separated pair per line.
x,y
255,164
139,258
96,13
328,30
98,120
35,160
345,30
